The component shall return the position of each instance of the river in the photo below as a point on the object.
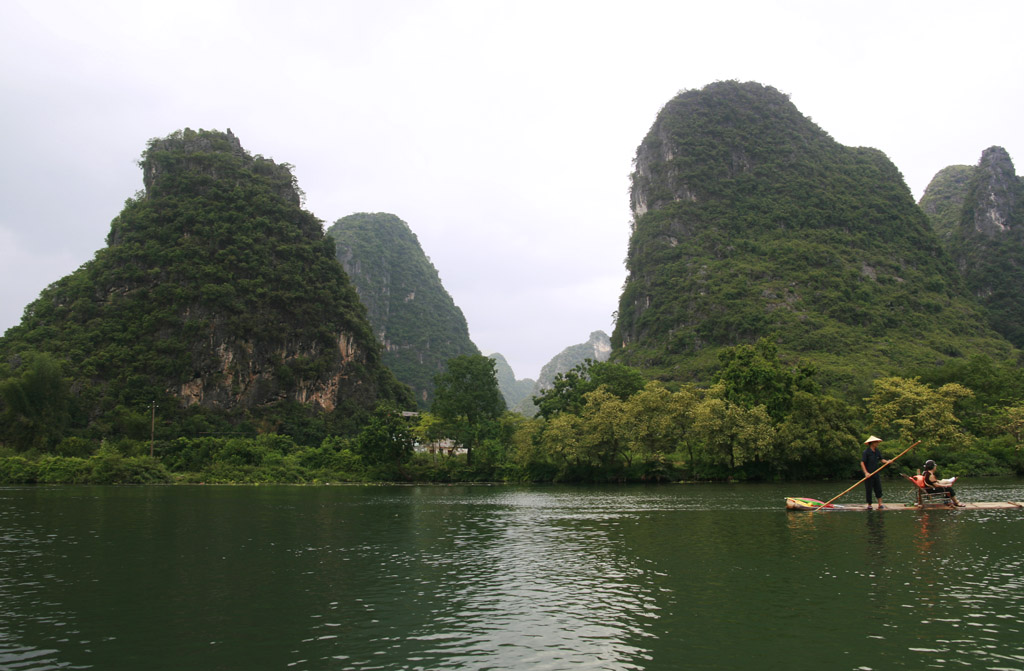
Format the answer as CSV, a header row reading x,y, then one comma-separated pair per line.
x,y
505,577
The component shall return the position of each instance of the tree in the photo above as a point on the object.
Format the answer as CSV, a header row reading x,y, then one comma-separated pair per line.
x,y
385,439
36,404
1013,422
753,375
530,460
818,438
658,421
429,429
916,410
561,437
568,389
995,386
730,434
467,399
604,429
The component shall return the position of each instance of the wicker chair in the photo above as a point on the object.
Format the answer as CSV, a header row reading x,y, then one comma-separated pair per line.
x,y
926,499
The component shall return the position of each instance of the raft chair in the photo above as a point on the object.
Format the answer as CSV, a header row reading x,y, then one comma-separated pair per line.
x,y
926,499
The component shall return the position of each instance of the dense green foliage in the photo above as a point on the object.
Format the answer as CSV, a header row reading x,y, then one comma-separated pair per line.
x,y
35,402
568,389
761,420
750,221
408,307
385,439
753,374
467,400
217,297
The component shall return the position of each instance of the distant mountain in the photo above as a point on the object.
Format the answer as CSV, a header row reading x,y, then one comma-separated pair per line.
x,y
750,221
598,347
514,391
217,295
979,213
412,314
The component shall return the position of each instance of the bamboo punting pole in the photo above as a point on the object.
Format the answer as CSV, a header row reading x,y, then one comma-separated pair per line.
x,y
867,476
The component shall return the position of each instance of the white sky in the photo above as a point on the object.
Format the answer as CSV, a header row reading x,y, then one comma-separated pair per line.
x,y
502,132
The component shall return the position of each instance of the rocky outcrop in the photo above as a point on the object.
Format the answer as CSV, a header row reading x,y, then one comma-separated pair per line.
x,y
520,394
995,193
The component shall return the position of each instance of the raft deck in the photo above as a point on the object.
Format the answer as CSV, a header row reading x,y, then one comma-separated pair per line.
x,y
978,505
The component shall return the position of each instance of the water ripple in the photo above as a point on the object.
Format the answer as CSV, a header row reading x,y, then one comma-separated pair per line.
x,y
702,577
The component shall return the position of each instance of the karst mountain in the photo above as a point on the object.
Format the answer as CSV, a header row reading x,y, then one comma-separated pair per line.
x,y
750,221
412,314
217,296
978,212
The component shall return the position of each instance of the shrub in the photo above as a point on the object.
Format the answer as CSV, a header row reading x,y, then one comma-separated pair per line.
x,y
17,471
64,470
109,467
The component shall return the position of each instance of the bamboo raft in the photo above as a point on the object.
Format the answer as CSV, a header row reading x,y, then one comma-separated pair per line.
x,y
926,499
799,503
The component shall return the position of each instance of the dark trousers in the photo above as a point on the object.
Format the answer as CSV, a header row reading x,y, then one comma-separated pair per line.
x,y
874,483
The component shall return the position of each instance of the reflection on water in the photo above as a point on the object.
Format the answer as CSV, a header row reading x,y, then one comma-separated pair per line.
x,y
876,535
696,577
535,584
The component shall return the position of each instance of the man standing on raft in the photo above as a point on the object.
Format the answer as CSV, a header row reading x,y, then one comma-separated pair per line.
x,y
870,461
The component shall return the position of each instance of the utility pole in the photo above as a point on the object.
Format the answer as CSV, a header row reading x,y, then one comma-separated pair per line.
x,y
152,428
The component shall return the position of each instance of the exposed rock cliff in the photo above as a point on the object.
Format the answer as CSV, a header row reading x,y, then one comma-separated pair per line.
x,y
995,194
410,310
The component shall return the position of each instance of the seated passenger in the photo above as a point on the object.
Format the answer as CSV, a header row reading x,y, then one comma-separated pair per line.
x,y
932,484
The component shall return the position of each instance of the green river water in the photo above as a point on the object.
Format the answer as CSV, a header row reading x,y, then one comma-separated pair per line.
x,y
503,577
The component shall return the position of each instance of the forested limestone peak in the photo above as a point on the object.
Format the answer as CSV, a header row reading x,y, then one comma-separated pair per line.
x,y
411,312
217,296
704,139
750,221
979,212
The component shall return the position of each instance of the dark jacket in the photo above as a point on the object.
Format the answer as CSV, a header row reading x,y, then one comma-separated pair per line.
x,y
872,459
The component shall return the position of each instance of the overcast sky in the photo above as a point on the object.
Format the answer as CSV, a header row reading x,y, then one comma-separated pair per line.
x,y
503,133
